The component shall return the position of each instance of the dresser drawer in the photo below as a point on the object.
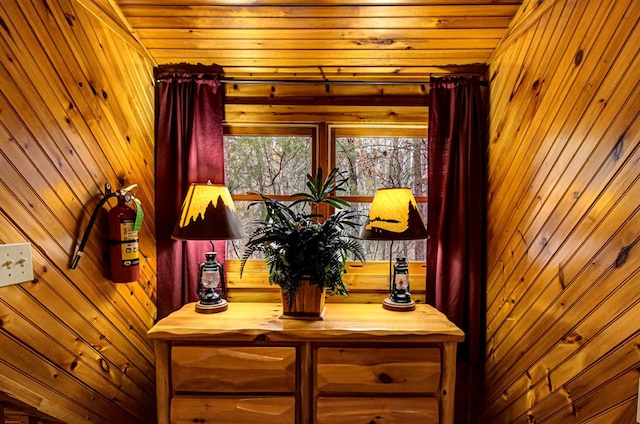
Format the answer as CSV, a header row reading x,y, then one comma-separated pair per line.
x,y
233,410
405,410
379,370
208,369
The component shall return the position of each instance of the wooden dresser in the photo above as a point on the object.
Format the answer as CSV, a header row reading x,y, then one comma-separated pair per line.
x,y
361,364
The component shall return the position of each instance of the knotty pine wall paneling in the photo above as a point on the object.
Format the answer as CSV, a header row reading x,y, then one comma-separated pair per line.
x,y
76,112
563,297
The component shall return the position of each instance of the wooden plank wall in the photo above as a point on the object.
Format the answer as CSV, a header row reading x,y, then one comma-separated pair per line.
x,y
76,112
327,103
563,290
367,283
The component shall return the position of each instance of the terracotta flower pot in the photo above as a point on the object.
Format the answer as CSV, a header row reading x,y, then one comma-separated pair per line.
x,y
307,304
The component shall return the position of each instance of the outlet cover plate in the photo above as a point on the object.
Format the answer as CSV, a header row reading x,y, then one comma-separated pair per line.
x,y
16,265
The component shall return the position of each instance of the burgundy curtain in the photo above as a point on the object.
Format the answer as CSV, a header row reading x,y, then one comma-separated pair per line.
x,y
456,211
189,149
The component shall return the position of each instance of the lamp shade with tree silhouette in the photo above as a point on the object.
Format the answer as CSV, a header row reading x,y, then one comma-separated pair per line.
x,y
394,215
208,213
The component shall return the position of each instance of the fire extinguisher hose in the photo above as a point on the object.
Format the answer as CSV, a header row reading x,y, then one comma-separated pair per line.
x,y
108,195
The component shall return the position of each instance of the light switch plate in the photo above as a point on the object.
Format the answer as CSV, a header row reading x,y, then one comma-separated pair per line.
x,y
16,265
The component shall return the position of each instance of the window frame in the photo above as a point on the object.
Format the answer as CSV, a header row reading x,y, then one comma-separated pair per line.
x,y
324,153
364,130
367,282
282,130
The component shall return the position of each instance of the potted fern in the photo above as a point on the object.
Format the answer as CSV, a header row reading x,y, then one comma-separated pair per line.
x,y
304,250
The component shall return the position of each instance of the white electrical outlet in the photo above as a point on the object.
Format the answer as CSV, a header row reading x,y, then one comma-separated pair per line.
x,y
16,265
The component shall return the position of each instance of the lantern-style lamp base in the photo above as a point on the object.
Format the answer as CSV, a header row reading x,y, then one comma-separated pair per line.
x,y
391,305
221,306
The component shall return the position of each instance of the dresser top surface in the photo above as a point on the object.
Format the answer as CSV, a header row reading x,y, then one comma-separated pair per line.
x,y
342,321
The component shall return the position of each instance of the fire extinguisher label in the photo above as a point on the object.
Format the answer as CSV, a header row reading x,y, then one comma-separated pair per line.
x,y
129,245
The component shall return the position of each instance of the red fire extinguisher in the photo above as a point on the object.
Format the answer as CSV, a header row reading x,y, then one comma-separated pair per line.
x,y
123,224
124,263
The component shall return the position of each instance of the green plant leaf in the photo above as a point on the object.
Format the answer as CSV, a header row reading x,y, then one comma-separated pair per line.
x,y
298,244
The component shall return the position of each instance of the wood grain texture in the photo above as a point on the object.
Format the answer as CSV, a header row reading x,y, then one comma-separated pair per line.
x,y
367,283
228,369
388,40
393,42
76,112
405,410
359,370
563,216
271,410
245,321
361,361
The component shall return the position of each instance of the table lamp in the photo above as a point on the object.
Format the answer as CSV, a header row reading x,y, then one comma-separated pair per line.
x,y
394,215
208,213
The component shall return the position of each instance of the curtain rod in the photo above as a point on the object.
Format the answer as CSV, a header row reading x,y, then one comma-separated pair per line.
x,y
335,82
330,82
216,71
325,82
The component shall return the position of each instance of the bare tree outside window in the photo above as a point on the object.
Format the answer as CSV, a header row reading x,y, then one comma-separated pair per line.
x,y
271,165
383,162
277,165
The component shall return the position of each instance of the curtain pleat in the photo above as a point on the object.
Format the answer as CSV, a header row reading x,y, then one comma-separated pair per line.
x,y
456,208
189,149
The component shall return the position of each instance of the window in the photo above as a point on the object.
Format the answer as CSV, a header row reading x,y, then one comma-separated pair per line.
x,y
268,160
378,158
275,160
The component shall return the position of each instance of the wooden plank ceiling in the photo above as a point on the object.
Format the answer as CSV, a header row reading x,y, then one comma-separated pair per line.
x,y
327,40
